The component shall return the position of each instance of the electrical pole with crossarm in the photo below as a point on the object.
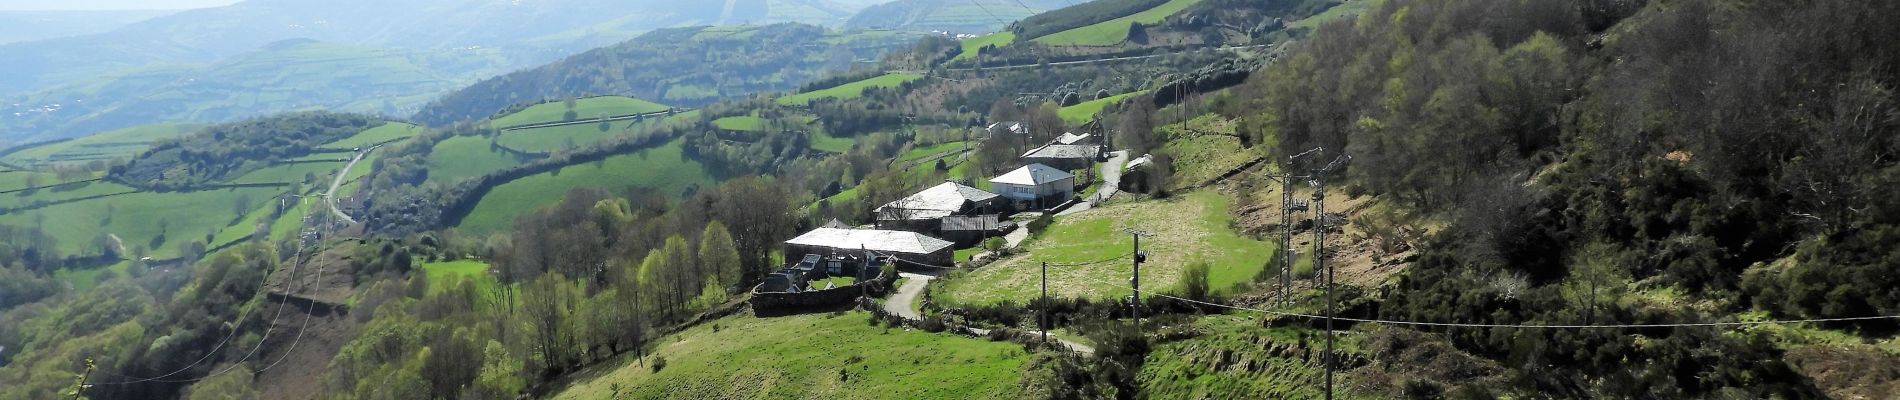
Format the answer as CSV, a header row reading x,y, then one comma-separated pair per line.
x,y
1134,282
1319,261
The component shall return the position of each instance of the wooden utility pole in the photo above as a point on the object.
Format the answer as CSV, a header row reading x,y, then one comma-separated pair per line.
x,y
1134,282
1045,302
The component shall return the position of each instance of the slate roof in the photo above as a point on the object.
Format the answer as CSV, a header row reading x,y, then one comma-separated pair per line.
x,y
1139,162
1032,175
1063,151
1071,138
937,201
974,223
872,239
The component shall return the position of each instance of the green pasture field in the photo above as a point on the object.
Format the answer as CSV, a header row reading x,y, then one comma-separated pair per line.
x,y
818,355
664,168
1114,31
1188,228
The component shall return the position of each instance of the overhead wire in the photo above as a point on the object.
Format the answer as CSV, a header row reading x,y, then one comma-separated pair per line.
x,y
1518,326
235,328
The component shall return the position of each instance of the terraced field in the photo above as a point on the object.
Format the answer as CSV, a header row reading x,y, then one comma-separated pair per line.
x,y
123,143
828,356
588,108
973,46
382,133
462,157
850,90
1084,112
1114,31
663,168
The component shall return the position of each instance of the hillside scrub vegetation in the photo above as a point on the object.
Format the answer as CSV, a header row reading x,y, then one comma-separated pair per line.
x,y
225,151
1643,146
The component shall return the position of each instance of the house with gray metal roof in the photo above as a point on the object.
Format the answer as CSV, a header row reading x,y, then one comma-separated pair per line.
x,y
1035,186
909,246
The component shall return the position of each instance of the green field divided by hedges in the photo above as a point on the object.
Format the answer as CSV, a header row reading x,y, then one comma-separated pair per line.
x,y
123,143
973,46
447,274
850,90
664,169
1187,228
463,157
552,138
808,356
1114,31
588,108
1086,111
135,218
382,133
748,123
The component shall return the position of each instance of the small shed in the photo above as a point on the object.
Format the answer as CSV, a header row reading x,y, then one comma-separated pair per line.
x,y
971,230
1036,186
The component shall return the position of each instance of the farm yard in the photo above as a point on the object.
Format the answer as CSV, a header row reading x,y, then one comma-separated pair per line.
x,y
1192,229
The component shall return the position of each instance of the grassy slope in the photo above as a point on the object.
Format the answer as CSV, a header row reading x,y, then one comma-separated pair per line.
x,y
1191,227
973,45
1343,10
381,133
1081,113
553,138
134,217
583,109
1229,361
1114,31
802,356
465,156
1198,158
748,123
850,90
662,168
123,143
290,173
446,274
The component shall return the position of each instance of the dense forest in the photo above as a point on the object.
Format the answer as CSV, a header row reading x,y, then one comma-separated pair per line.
x,y
1739,153
224,151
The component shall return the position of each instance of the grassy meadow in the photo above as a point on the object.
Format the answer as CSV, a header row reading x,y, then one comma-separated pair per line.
x,y
105,146
461,157
1114,31
1086,111
808,356
663,168
1188,228
588,108
850,90
972,46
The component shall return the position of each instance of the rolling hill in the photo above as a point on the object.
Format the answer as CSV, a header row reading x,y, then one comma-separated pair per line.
x,y
682,67
967,17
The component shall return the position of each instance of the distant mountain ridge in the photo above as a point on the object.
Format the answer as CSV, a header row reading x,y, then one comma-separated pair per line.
x,y
454,41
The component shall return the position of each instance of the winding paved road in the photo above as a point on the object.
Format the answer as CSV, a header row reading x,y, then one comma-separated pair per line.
x,y
1111,183
329,196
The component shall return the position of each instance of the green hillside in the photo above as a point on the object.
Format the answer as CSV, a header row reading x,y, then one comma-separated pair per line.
x,y
663,169
159,222
552,138
588,108
1086,111
384,133
973,46
122,143
1194,228
1115,30
810,356
461,157
851,90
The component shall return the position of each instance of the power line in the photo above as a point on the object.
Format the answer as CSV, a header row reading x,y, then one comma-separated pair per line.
x,y
986,10
235,325
1526,326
